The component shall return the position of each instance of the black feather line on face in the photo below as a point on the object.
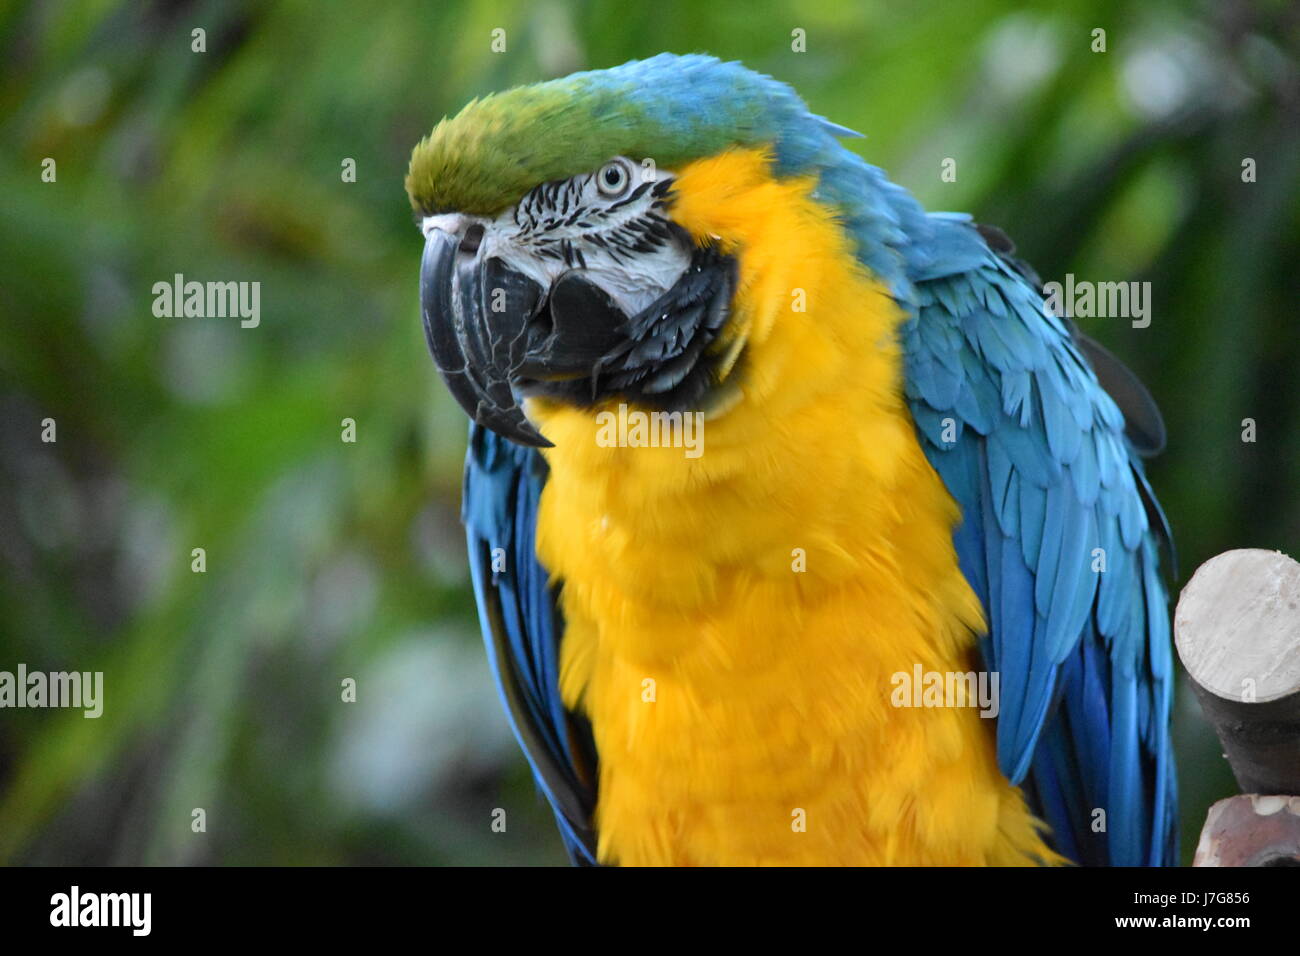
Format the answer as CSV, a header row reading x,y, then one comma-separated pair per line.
x,y
631,197
559,204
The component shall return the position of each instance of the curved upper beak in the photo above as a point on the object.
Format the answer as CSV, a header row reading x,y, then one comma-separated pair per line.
x,y
476,315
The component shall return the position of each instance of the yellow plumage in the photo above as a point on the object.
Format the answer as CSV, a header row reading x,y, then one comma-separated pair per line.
x,y
734,698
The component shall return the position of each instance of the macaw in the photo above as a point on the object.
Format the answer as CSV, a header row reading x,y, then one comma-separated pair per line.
x,y
911,478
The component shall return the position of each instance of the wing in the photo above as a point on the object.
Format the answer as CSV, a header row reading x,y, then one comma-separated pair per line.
x,y
522,627
1059,538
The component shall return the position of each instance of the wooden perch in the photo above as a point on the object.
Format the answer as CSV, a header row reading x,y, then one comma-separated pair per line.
x,y
1238,632
1237,629
1251,830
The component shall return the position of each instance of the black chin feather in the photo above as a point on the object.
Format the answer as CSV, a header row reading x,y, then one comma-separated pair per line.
x,y
662,359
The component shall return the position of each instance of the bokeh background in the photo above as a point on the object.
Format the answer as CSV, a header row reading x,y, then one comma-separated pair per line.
x,y
328,560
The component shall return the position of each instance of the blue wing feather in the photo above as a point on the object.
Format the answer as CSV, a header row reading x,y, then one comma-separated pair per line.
x,y
1044,476
522,628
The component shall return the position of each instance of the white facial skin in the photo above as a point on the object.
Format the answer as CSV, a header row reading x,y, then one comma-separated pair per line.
x,y
588,222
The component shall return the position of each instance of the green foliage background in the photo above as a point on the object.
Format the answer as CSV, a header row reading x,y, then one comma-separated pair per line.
x,y
328,560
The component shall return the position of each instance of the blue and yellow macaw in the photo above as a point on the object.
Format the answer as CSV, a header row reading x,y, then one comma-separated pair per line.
x,y
904,473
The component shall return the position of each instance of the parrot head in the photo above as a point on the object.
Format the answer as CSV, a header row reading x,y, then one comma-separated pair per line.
x,y
553,265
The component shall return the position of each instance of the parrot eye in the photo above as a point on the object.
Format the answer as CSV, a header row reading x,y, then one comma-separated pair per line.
x,y
613,178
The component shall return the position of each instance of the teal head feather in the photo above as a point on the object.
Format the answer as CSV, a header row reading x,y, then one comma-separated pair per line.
x,y
671,109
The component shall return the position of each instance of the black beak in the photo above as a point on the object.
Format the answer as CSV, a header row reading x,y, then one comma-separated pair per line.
x,y
495,334
475,323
